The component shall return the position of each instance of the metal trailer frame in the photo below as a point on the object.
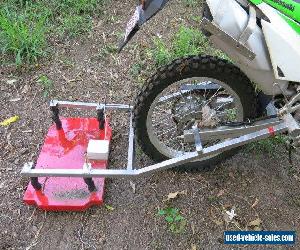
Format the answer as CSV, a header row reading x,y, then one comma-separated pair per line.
x,y
241,135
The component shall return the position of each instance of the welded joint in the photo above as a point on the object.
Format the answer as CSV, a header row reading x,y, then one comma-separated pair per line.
x,y
292,125
198,144
53,103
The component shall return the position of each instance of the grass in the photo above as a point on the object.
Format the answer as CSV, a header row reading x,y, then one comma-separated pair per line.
x,y
25,25
21,37
187,41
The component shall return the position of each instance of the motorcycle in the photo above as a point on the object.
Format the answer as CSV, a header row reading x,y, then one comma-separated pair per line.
x,y
262,38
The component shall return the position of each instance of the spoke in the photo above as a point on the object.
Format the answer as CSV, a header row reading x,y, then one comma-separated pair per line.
x,y
225,103
184,97
221,106
211,98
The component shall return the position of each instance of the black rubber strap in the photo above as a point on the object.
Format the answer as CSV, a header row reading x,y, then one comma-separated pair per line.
x,y
35,183
55,117
101,118
91,184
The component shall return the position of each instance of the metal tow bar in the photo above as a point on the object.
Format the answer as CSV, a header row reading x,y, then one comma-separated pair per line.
x,y
243,135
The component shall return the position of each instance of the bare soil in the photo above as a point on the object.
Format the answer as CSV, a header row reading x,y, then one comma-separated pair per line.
x,y
256,184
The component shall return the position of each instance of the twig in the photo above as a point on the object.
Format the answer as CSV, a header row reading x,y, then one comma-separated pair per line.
x,y
30,104
31,216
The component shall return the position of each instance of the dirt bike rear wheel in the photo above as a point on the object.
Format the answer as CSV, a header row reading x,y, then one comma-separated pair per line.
x,y
173,96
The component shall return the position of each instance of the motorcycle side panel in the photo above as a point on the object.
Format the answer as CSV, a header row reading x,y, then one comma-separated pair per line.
x,y
283,44
233,19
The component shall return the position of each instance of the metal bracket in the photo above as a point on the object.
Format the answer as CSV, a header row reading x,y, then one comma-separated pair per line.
x,y
197,138
222,133
248,31
215,30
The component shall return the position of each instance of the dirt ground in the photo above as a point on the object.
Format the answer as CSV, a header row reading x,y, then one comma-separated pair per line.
x,y
257,184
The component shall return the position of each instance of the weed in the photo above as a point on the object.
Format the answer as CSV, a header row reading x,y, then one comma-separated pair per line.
x,y
231,114
46,83
176,222
139,152
119,35
74,25
192,3
268,145
107,50
196,18
161,53
187,41
111,19
136,69
213,199
67,62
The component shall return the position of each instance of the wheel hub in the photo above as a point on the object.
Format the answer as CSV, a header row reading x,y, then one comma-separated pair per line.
x,y
186,112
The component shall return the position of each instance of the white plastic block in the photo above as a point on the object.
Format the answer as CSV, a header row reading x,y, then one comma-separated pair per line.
x,y
98,150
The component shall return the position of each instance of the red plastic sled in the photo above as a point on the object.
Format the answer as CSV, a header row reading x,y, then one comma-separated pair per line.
x,y
66,148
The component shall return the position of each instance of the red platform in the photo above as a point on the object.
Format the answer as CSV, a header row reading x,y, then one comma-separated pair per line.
x,y
66,149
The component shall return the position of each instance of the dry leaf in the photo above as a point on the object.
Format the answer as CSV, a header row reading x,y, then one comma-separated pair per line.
x,y
231,175
221,192
194,247
109,208
217,222
133,186
255,223
257,229
2,184
25,89
255,203
172,196
193,228
227,206
15,99
12,81
209,118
